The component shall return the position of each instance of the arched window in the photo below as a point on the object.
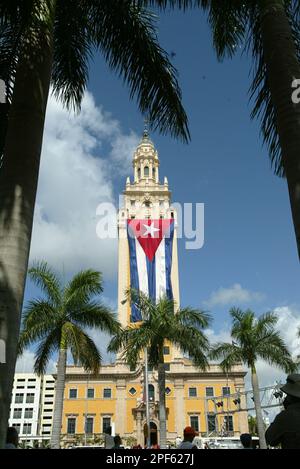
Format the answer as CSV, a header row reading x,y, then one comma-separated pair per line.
x,y
153,173
139,173
146,171
151,393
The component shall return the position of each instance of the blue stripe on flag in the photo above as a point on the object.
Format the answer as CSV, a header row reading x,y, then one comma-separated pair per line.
x,y
151,278
134,277
168,249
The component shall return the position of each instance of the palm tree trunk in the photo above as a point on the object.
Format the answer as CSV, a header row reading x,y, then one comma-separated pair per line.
x,y
162,402
18,185
59,398
282,68
258,411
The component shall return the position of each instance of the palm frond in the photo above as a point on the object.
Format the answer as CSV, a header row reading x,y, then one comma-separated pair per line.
x,y
193,317
229,354
39,319
72,51
45,350
82,287
42,275
83,348
127,37
94,314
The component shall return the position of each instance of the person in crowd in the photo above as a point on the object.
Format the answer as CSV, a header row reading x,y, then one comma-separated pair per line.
x,y
285,430
246,440
188,436
12,438
108,439
117,442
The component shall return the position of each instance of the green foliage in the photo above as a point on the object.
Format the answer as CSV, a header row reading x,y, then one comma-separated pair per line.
x,y
58,319
161,323
253,339
122,31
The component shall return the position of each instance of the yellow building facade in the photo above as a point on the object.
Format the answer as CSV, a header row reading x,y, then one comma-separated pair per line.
x,y
209,401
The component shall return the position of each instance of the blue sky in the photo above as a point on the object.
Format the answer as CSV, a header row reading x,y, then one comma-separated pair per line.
x,y
249,258
249,235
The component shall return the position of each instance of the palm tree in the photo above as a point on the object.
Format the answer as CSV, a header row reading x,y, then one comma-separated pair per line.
x,y
57,323
253,339
269,30
46,42
183,329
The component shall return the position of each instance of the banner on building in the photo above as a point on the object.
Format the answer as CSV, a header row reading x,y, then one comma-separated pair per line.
x,y
150,252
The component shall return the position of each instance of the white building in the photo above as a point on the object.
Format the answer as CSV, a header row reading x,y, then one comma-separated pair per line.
x,y
32,404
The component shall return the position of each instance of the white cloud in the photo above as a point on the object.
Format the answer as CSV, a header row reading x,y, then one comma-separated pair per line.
x,y
232,295
26,361
81,156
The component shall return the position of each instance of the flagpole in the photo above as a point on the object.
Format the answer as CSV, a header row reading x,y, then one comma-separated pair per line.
x,y
147,398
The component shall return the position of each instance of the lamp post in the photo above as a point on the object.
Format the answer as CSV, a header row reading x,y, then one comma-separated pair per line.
x,y
147,398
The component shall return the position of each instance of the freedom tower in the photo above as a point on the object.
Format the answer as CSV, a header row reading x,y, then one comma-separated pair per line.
x,y
148,261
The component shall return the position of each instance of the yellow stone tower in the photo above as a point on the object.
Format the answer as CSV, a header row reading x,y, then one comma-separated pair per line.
x,y
115,396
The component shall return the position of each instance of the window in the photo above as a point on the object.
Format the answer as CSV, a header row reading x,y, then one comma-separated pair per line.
x,y
48,388
132,203
226,391
151,392
32,380
90,393
49,395
211,422
194,419
209,391
192,392
106,424
31,387
29,398
17,427
20,387
146,171
168,391
28,414
47,417
21,380
166,350
167,366
17,413
153,173
27,428
172,214
73,394
132,391
89,425
19,398
107,393
139,173
71,425
48,410
46,433
228,423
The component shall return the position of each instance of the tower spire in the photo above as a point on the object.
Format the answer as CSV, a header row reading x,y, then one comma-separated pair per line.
x,y
146,128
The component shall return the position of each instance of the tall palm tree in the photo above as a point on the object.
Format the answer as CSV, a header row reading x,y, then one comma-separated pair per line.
x,y
268,30
253,339
47,42
183,329
57,323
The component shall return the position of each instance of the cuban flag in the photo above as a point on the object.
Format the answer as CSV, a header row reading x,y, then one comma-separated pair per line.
x,y
150,253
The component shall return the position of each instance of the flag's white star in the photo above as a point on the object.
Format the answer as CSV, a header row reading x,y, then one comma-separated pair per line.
x,y
150,229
